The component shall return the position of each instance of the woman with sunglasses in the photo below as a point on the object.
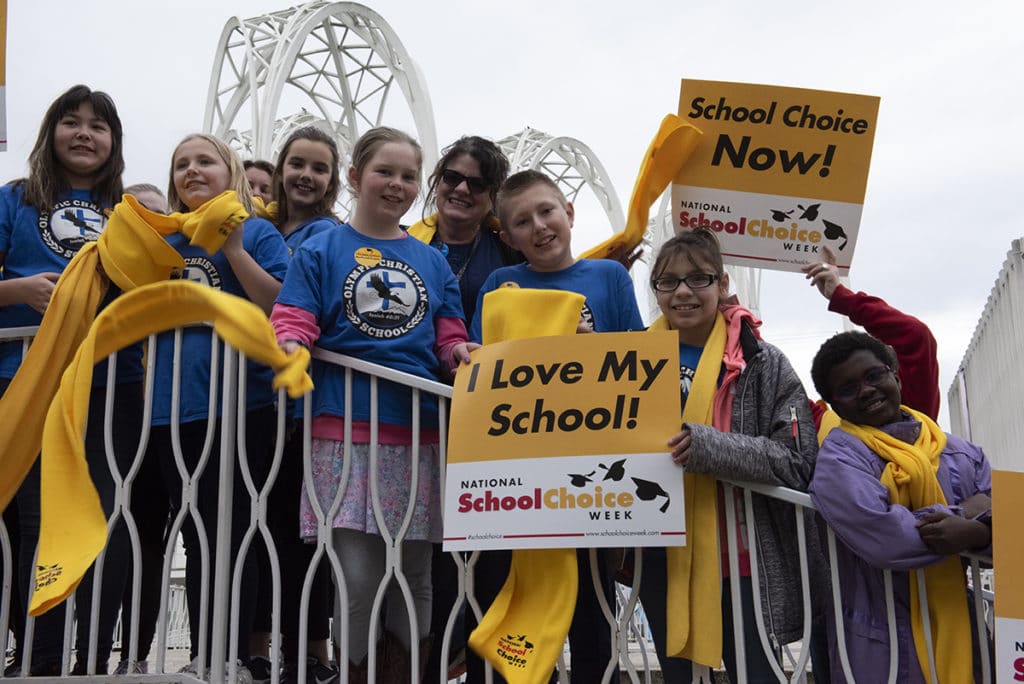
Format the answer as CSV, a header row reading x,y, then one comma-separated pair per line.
x,y
462,190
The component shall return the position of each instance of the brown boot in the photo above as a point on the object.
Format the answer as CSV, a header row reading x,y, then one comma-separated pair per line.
x,y
357,674
393,662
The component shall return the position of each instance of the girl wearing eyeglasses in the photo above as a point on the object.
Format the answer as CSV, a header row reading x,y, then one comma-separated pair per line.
x,y
745,418
463,188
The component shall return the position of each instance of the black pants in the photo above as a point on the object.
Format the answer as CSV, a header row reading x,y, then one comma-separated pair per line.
x,y
48,636
260,426
294,556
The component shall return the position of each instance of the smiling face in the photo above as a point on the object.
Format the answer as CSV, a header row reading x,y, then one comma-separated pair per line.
x,y
385,188
198,172
82,143
459,206
864,390
261,184
308,173
689,311
538,222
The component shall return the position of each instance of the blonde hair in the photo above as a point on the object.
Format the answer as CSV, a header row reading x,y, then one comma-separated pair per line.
x,y
236,173
376,138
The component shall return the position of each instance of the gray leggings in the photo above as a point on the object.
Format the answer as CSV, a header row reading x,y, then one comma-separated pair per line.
x,y
362,559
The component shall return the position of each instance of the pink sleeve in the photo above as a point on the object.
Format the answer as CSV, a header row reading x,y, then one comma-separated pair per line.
x,y
449,332
294,323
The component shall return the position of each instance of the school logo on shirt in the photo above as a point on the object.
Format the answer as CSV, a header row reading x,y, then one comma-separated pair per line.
x,y
71,224
385,300
199,270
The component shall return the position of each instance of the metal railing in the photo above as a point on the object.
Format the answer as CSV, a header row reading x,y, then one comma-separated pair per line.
x,y
633,653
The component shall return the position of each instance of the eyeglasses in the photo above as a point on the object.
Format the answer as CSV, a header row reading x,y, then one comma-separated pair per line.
x,y
454,179
873,377
694,281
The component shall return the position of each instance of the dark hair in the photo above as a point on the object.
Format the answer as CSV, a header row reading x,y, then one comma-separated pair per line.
x,y
493,168
261,164
46,177
523,181
838,348
696,245
326,205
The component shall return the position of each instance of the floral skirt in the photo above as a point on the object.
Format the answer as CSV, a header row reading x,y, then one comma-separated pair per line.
x,y
394,481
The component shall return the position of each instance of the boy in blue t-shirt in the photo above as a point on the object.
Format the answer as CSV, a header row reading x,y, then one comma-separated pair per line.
x,y
537,220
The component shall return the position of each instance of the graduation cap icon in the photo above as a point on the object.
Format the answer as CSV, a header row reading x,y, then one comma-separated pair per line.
x,y
615,472
779,215
580,480
810,212
834,231
648,491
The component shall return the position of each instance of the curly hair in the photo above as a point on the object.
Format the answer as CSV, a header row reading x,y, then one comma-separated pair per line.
x,y
493,163
838,348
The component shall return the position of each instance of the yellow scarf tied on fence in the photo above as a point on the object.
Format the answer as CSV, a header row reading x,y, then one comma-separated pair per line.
x,y
538,599
73,527
694,596
910,477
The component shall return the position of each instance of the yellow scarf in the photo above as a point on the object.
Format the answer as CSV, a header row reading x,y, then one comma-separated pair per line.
x,y
424,230
265,211
910,477
694,597
73,527
132,251
539,597
668,152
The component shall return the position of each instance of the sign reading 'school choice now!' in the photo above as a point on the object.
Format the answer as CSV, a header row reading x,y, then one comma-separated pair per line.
x,y
778,173
561,442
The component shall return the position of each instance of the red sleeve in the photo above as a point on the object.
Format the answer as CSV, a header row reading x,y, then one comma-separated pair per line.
x,y
449,332
914,343
294,323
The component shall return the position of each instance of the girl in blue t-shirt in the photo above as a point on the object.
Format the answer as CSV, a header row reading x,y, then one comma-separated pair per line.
x,y
251,264
305,185
368,289
74,178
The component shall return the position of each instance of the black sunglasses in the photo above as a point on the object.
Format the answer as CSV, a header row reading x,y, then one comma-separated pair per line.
x,y
454,179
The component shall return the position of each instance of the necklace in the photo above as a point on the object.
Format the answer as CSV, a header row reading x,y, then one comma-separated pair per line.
x,y
443,248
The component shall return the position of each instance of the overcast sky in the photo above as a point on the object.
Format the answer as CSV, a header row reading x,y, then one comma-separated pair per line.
x,y
945,173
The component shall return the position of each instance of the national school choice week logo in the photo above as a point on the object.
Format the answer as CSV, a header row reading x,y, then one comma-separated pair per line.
x,y
384,298
616,504
796,237
70,225
47,575
514,649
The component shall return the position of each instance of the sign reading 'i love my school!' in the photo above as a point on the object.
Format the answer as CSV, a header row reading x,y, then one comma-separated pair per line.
x,y
561,442
779,172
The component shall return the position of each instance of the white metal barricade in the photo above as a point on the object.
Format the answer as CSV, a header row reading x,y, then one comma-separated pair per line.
x,y
633,652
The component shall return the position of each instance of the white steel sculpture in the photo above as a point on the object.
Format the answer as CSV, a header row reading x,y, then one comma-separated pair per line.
x,y
334,64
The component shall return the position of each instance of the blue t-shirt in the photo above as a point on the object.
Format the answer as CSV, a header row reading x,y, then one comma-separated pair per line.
x,y
265,245
307,230
38,243
376,300
611,302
